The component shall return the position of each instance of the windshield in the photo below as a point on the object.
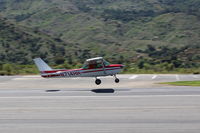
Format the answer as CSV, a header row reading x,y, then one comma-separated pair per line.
x,y
106,63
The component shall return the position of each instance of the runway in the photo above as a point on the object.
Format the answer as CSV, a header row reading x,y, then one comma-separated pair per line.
x,y
137,104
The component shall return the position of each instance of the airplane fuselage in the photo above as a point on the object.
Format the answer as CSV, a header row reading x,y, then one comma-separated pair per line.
x,y
112,69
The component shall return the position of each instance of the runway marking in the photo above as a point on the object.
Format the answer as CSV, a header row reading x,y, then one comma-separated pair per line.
x,y
133,77
31,76
177,77
66,97
98,108
25,78
195,76
104,77
75,78
154,77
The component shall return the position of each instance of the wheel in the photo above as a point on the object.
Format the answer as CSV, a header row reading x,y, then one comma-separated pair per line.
x,y
98,81
116,80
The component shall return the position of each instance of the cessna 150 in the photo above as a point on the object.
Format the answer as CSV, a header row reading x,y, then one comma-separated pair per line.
x,y
94,67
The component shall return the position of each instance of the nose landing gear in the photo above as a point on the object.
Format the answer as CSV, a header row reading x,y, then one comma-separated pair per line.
x,y
116,79
98,81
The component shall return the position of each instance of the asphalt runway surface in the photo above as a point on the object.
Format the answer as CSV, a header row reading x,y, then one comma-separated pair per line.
x,y
138,104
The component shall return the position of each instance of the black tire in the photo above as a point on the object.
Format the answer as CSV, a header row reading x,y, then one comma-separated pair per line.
x,y
116,80
98,81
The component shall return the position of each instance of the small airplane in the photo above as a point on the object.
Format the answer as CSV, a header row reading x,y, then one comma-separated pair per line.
x,y
94,67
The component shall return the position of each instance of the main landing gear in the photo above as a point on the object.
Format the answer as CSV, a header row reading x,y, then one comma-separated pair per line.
x,y
98,81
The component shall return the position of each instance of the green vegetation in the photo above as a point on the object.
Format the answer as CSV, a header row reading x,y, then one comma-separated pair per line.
x,y
164,59
110,22
11,69
148,36
184,83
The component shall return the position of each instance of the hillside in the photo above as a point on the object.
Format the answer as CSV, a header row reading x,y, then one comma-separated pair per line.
x,y
20,45
106,22
74,30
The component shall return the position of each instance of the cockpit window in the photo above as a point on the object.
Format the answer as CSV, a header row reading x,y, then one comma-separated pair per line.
x,y
86,65
95,64
106,63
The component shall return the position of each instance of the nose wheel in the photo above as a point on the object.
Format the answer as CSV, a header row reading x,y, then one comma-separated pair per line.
x,y
116,79
98,81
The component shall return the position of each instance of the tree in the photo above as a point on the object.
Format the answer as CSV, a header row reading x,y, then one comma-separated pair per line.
x,y
8,68
59,60
141,64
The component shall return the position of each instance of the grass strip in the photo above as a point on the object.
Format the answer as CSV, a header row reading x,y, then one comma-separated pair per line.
x,y
184,83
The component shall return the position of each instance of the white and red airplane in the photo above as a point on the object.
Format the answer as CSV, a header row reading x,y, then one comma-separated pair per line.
x,y
94,67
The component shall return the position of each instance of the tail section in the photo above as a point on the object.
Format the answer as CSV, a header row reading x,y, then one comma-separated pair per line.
x,y
41,65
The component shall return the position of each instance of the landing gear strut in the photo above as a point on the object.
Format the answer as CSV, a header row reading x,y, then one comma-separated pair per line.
x,y
98,81
116,79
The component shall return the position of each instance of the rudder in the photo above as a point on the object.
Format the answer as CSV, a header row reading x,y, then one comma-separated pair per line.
x,y
41,65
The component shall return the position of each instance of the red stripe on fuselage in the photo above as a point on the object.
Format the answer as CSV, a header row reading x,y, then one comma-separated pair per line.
x,y
59,75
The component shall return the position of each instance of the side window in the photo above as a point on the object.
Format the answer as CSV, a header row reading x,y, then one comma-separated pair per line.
x,y
85,66
92,66
99,65
95,64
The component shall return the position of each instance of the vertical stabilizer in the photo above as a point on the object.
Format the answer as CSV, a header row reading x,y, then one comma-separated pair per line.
x,y
41,65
